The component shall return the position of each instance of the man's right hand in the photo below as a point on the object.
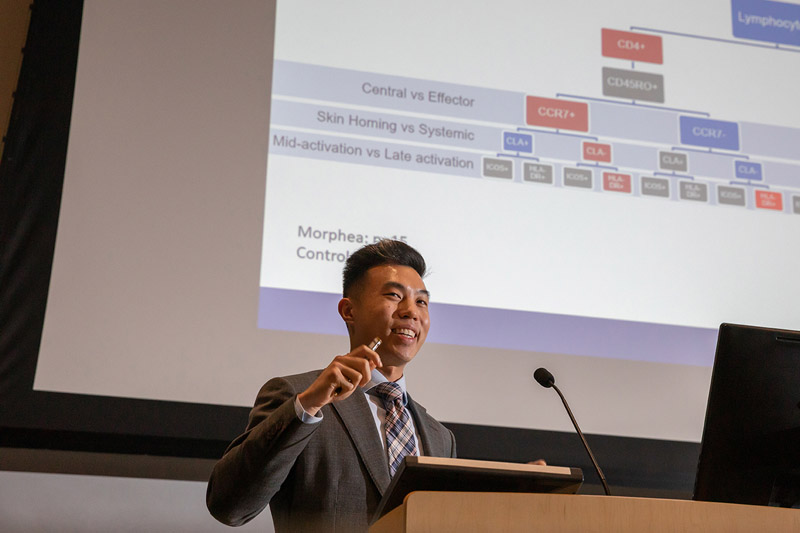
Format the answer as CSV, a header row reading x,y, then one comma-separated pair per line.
x,y
340,379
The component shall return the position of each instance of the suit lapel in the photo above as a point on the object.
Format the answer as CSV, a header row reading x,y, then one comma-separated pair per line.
x,y
358,420
419,413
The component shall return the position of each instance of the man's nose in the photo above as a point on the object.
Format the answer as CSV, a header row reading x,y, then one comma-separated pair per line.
x,y
406,309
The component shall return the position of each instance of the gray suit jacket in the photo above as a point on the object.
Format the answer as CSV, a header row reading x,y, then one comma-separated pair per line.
x,y
323,477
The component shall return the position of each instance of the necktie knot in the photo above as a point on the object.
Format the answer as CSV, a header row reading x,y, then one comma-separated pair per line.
x,y
390,393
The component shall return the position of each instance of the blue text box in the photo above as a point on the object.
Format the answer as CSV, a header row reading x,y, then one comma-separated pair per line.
x,y
709,133
748,170
763,20
517,142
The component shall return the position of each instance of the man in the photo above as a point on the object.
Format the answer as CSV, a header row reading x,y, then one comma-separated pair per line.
x,y
318,446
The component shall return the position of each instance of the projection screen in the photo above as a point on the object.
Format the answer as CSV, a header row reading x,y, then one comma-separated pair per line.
x,y
595,186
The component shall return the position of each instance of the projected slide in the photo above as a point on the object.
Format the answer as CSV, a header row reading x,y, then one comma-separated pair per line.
x,y
643,185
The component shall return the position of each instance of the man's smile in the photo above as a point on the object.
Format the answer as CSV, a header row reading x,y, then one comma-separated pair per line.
x,y
405,332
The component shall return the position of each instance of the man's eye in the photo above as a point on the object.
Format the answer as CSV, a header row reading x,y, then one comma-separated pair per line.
x,y
393,294
422,302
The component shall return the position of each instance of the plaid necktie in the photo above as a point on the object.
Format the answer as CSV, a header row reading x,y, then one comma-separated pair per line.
x,y
400,439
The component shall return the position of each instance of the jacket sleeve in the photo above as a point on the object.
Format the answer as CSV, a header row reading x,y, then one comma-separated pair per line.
x,y
257,462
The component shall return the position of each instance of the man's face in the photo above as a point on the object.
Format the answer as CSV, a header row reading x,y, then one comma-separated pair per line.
x,y
391,302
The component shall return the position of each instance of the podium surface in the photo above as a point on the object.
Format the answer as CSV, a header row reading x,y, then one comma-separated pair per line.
x,y
492,511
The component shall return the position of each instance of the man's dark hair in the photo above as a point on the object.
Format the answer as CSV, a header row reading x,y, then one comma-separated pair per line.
x,y
384,252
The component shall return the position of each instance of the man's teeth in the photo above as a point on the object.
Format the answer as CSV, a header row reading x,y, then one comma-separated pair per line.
x,y
405,332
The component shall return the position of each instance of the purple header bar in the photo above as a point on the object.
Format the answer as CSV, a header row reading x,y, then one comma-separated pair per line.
x,y
315,312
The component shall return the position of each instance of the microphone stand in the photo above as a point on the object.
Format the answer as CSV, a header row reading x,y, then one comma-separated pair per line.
x,y
585,444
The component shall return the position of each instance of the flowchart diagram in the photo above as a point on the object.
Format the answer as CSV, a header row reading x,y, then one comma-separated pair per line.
x,y
629,141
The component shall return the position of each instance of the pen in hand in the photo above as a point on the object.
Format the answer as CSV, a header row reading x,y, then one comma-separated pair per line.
x,y
372,346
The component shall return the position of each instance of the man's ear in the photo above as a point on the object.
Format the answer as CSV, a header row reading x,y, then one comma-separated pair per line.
x,y
346,312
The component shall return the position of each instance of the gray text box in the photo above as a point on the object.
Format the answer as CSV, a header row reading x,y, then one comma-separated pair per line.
x,y
655,187
691,190
537,172
633,84
673,161
498,168
577,177
731,195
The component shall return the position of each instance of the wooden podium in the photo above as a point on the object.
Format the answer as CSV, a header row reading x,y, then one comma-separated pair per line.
x,y
437,512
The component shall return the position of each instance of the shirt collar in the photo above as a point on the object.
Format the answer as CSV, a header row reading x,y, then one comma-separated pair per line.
x,y
378,378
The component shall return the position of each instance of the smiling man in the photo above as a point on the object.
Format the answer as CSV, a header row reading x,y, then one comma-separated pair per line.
x,y
320,448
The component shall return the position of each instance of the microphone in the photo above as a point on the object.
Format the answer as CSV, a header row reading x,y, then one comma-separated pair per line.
x,y
546,380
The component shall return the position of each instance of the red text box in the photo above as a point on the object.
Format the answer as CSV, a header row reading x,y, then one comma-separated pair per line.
x,y
632,46
597,152
555,113
613,181
769,200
